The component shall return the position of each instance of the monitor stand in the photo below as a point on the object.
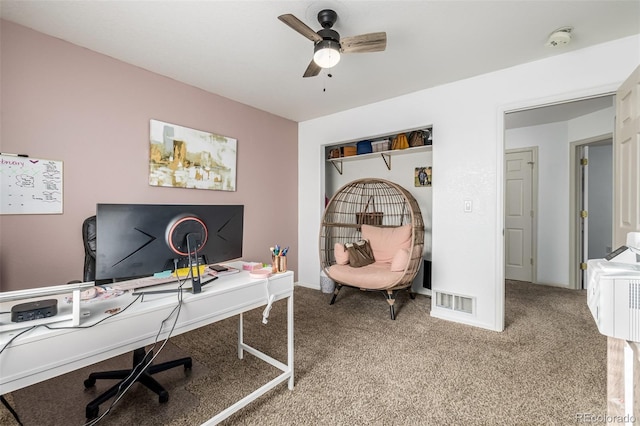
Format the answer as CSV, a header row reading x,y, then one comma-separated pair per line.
x,y
195,279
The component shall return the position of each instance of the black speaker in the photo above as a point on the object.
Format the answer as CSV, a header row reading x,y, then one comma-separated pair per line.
x,y
426,278
34,310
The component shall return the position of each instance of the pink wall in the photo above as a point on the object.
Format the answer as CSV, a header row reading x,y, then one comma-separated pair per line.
x,y
63,102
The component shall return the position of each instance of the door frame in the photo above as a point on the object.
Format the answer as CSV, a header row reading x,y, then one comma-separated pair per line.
x,y
534,206
500,113
575,241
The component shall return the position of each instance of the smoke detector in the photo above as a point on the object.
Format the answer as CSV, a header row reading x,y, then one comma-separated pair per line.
x,y
559,37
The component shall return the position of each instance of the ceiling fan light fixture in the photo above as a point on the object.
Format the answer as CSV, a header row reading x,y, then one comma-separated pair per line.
x,y
327,44
326,53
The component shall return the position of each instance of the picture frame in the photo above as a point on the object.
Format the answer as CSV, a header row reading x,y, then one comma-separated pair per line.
x,y
181,157
422,176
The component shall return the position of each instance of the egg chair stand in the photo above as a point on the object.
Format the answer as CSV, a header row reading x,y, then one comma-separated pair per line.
x,y
394,228
390,295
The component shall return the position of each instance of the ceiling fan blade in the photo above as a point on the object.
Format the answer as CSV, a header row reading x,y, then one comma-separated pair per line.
x,y
312,70
300,27
371,42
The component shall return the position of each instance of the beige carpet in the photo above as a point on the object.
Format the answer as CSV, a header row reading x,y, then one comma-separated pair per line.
x,y
354,366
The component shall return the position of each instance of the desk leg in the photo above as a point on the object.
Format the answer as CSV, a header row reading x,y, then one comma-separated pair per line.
x,y
290,338
240,338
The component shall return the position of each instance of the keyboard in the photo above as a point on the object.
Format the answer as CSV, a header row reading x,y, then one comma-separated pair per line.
x,y
151,281
141,283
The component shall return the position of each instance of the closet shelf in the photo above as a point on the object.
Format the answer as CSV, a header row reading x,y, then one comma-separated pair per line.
x,y
386,156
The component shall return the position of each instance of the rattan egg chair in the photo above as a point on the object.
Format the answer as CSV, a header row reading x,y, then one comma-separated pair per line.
x,y
372,205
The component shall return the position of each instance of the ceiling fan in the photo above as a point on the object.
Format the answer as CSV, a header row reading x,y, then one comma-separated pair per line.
x,y
327,43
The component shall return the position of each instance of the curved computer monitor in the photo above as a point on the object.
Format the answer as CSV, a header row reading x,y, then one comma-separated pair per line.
x,y
135,240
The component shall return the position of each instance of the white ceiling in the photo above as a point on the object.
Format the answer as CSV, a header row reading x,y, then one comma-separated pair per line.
x,y
240,50
557,113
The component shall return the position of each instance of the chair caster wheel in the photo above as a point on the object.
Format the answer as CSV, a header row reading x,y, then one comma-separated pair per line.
x,y
89,383
163,397
92,412
188,365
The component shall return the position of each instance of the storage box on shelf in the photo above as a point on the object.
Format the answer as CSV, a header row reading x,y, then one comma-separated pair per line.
x,y
348,151
380,146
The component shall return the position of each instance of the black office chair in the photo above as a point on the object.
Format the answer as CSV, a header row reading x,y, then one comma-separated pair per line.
x,y
140,356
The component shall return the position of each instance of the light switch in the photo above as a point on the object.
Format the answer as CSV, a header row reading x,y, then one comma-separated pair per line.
x,y
468,206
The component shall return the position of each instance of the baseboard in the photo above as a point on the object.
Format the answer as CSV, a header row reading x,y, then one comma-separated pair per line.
x,y
466,319
422,291
312,286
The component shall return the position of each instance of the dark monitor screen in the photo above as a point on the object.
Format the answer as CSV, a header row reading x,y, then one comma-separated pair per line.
x,y
135,240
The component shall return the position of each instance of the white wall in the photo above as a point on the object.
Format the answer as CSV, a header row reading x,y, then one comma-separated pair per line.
x,y
591,125
467,117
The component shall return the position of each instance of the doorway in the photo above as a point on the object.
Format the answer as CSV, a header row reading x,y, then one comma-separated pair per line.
x,y
592,208
553,129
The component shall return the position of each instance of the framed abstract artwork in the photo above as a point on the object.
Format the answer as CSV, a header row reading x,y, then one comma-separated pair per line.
x,y
181,157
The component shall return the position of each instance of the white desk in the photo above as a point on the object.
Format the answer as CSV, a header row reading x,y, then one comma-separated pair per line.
x,y
41,354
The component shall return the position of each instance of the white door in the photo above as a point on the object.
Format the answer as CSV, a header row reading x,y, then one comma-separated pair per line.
x,y
626,218
626,160
519,215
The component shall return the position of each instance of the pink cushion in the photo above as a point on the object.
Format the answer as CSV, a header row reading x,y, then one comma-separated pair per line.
x,y
385,242
376,276
400,260
341,255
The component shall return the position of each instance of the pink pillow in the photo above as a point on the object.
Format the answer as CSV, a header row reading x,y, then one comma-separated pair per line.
x,y
340,253
385,242
400,260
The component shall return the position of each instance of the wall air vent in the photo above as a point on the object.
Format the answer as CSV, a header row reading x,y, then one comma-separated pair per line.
x,y
634,309
444,300
634,294
454,302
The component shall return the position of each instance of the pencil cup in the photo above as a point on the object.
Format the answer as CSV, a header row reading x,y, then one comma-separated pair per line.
x,y
278,264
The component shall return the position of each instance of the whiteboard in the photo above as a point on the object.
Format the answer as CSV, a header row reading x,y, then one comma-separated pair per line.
x,y
30,185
